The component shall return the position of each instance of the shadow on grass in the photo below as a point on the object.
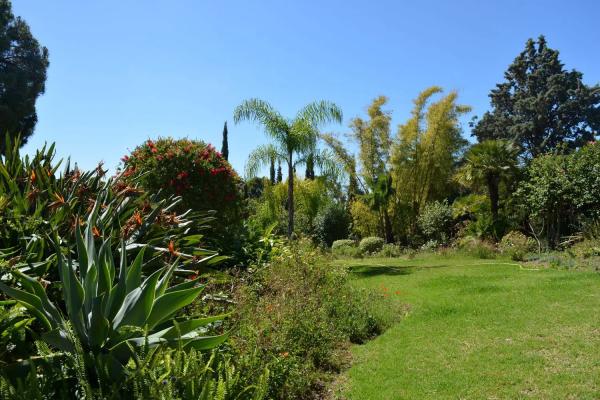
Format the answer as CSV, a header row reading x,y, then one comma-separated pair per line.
x,y
374,270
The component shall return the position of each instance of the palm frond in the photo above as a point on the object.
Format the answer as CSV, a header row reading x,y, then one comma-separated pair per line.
x,y
325,161
319,113
262,113
261,157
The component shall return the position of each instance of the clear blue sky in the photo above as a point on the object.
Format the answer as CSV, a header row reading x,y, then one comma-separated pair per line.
x,y
122,70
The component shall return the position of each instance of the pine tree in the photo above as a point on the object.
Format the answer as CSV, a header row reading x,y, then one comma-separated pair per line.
x,y
225,145
23,65
541,105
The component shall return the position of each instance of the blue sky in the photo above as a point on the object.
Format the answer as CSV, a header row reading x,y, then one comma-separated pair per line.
x,y
122,70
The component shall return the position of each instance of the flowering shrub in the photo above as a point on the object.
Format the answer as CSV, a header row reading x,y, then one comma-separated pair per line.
x,y
191,169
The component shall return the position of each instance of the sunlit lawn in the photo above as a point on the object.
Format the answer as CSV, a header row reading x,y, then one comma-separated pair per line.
x,y
476,331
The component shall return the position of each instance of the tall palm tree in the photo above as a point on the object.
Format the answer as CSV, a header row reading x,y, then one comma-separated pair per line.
x,y
291,137
486,164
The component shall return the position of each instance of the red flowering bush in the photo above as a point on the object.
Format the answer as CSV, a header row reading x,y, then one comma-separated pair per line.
x,y
191,169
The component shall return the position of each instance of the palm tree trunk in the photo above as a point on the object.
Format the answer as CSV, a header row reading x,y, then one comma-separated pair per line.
x,y
290,195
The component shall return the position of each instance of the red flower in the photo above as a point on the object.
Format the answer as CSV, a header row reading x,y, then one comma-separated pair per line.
x,y
153,149
125,158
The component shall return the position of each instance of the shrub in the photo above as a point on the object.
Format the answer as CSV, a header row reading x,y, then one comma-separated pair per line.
x,y
371,245
190,169
332,223
435,221
345,248
430,245
390,250
586,248
477,247
516,245
300,311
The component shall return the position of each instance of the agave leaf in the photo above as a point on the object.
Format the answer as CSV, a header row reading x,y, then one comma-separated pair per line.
x,y
168,304
134,275
205,342
105,278
99,325
35,287
30,301
164,281
82,254
59,339
137,305
119,291
185,327
73,294
184,285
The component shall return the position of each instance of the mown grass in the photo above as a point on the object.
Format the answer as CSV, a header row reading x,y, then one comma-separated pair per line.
x,y
479,329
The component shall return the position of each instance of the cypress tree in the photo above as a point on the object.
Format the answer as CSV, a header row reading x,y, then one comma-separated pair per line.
x,y
225,145
279,174
272,171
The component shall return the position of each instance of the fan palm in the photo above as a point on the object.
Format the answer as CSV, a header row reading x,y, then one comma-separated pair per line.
x,y
486,164
294,140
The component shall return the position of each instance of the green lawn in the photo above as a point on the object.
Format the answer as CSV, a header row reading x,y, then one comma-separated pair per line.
x,y
476,331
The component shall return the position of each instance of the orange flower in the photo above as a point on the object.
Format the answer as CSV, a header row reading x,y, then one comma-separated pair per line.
x,y
172,248
137,218
95,231
32,176
284,354
60,200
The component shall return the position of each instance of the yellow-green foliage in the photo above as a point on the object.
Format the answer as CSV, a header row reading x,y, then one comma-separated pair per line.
x,y
423,157
365,222
310,196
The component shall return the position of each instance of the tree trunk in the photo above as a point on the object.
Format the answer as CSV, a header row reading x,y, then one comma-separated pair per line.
x,y
290,196
492,182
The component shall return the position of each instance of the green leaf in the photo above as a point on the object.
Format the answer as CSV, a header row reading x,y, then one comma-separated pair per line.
x,y
137,305
183,328
30,301
134,275
168,304
205,342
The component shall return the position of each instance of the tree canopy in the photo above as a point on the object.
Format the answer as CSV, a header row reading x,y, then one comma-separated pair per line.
x,y
23,65
541,105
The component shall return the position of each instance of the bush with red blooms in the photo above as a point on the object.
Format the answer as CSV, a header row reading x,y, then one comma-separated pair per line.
x,y
191,169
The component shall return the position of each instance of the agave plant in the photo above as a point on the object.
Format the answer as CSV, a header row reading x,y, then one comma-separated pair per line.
x,y
35,198
112,313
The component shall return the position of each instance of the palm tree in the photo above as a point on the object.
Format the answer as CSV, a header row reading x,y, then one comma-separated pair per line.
x,y
291,137
487,164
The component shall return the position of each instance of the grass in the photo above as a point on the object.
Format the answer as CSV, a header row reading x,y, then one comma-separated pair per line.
x,y
479,329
